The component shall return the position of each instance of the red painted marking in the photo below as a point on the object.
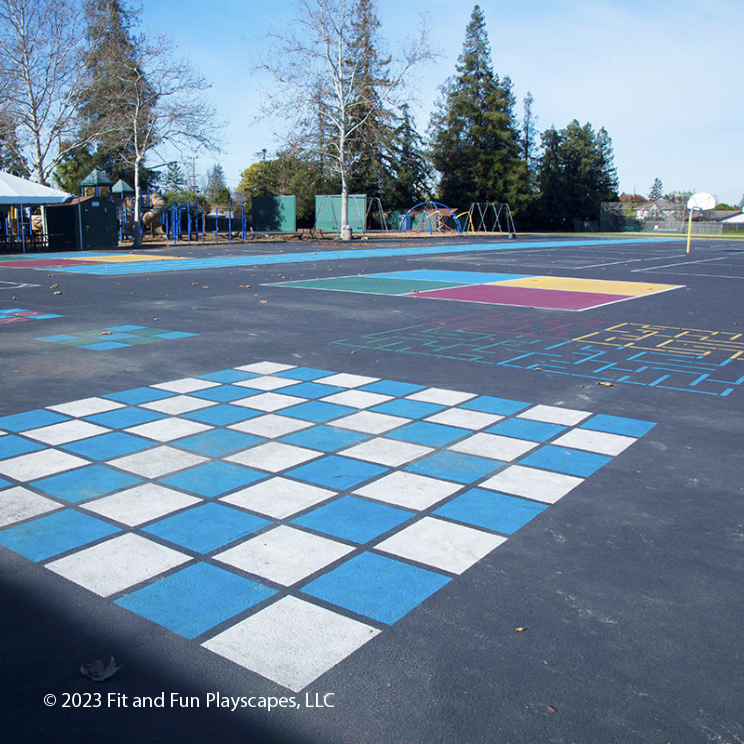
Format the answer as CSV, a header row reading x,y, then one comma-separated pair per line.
x,y
45,263
553,299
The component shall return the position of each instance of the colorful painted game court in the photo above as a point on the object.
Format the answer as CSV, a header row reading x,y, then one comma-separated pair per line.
x,y
115,337
282,516
521,290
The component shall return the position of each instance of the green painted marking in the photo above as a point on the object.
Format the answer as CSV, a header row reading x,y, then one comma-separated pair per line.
x,y
372,285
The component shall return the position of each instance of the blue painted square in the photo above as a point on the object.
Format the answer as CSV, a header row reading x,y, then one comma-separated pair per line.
x,y
354,519
492,510
375,586
56,533
124,417
85,483
218,442
106,446
224,393
31,420
425,432
175,334
56,339
455,467
408,408
489,404
325,438
213,479
390,387
195,599
206,527
105,346
338,473
313,390
613,425
534,431
12,446
222,415
138,395
4,483
228,375
565,460
125,328
304,373
318,411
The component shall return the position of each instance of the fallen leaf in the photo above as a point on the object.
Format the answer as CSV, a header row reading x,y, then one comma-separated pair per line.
x,y
579,386
97,672
244,286
16,298
605,384
520,629
552,709
58,292
54,286
105,333
194,284
263,302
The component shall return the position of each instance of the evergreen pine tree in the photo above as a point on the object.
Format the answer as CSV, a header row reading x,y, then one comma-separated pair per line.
x,y
657,190
410,185
474,134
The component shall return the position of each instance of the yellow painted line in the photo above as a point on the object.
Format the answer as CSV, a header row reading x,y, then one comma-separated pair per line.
x,y
118,258
572,284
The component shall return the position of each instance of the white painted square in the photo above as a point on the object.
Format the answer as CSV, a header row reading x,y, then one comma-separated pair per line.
x,y
156,462
465,419
17,504
284,555
140,504
441,396
270,401
266,383
271,426
369,422
409,490
178,404
86,407
539,485
386,451
40,464
357,399
555,415
67,431
444,545
494,446
273,456
348,381
291,642
168,429
265,368
117,564
279,497
595,441
185,385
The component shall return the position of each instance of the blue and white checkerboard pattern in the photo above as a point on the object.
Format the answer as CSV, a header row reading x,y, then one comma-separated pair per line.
x,y
283,516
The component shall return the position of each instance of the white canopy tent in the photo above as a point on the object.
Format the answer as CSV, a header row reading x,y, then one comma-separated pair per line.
x,y
19,192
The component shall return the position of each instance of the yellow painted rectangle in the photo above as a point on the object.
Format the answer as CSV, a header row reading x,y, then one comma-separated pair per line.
x,y
572,284
118,258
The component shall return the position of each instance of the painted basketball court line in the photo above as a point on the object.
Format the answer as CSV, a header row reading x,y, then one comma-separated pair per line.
x,y
690,360
517,290
282,516
123,265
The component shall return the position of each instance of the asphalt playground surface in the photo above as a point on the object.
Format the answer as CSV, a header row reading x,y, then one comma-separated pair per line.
x,y
468,490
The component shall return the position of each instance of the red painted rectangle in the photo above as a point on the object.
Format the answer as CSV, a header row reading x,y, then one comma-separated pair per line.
x,y
552,299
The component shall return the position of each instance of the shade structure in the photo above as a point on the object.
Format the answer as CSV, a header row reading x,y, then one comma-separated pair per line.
x,y
19,191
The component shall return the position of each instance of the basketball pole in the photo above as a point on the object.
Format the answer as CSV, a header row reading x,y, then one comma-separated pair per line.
x,y
689,231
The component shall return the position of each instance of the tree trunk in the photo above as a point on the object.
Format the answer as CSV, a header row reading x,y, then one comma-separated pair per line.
x,y
136,226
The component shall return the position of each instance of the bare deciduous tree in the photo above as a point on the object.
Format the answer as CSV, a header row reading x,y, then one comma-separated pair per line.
x,y
41,50
158,103
318,78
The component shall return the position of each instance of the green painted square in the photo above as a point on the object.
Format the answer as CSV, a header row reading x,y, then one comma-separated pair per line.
x,y
371,285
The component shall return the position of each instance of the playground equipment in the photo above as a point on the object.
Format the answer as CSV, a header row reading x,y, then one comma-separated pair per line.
x,y
488,217
432,216
158,205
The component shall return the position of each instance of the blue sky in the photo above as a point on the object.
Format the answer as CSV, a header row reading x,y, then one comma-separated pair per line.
x,y
664,78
